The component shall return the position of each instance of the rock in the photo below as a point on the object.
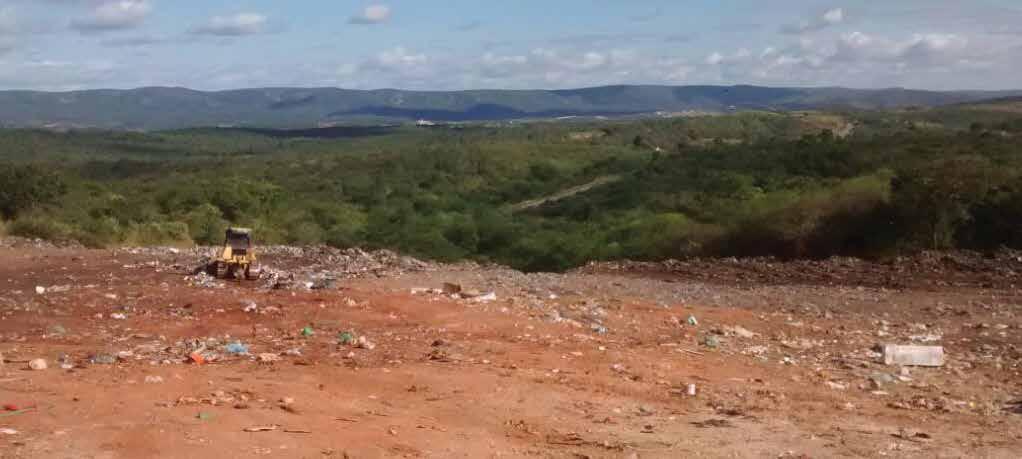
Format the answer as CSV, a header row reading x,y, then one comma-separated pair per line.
x,y
741,332
249,306
711,342
153,379
920,356
451,289
837,385
57,330
37,364
879,380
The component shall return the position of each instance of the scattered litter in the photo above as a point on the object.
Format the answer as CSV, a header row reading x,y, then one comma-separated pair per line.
x,y
364,343
261,428
919,356
485,298
711,342
118,316
153,379
237,348
346,338
37,364
267,357
308,332
104,359
693,321
40,289
7,431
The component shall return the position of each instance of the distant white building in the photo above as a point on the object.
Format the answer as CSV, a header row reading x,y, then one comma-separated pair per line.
x,y
425,123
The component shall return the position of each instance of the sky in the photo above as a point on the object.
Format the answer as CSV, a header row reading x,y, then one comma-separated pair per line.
x,y
61,45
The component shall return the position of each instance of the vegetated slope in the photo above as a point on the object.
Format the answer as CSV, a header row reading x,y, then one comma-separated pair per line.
x,y
171,108
1004,104
752,183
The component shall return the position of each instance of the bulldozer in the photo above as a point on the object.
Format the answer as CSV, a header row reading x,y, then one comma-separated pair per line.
x,y
238,257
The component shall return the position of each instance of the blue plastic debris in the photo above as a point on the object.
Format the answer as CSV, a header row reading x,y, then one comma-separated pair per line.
x,y
237,348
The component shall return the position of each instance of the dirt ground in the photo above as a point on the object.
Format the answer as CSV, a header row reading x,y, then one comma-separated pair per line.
x,y
591,364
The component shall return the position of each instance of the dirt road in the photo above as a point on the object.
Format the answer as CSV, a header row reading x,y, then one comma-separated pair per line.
x,y
595,363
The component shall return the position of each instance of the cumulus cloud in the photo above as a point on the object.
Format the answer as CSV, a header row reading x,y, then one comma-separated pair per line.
x,y
234,26
372,14
828,18
109,15
860,59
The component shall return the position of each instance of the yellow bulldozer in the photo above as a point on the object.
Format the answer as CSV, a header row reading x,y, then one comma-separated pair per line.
x,y
238,257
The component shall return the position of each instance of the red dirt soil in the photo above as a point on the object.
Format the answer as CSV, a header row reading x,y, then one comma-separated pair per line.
x,y
527,375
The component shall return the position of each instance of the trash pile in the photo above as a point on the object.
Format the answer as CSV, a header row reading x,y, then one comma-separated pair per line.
x,y
15,242
290,267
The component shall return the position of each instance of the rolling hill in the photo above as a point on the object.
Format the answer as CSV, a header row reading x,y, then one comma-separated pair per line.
x,y
156,108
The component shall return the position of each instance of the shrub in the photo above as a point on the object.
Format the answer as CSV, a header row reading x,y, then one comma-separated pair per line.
x,y
42,228
159,233
25,187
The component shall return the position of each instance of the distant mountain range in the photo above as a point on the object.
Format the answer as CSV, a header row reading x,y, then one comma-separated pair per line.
x,y
171,108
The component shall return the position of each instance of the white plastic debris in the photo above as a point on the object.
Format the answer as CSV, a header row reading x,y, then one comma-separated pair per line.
x,y
919,356
37,364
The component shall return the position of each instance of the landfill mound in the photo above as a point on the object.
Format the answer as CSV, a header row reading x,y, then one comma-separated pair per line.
x,y
957,268
286,267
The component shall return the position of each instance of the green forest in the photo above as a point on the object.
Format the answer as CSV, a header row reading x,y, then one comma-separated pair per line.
x,y
805,184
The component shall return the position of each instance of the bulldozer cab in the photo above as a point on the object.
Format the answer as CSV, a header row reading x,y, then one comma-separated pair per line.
x,y
239,240
238,256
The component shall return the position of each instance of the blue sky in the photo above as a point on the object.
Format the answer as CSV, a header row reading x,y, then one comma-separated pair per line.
x,y
462,44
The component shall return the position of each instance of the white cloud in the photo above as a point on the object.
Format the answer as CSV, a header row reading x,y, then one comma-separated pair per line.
x,y
716,58
109,15
372,14
399,57
233,26
828,18
834,16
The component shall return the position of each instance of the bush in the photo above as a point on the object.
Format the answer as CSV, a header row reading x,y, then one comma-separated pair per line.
x,y
25,187
159,233
42,228
206,225
100,232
